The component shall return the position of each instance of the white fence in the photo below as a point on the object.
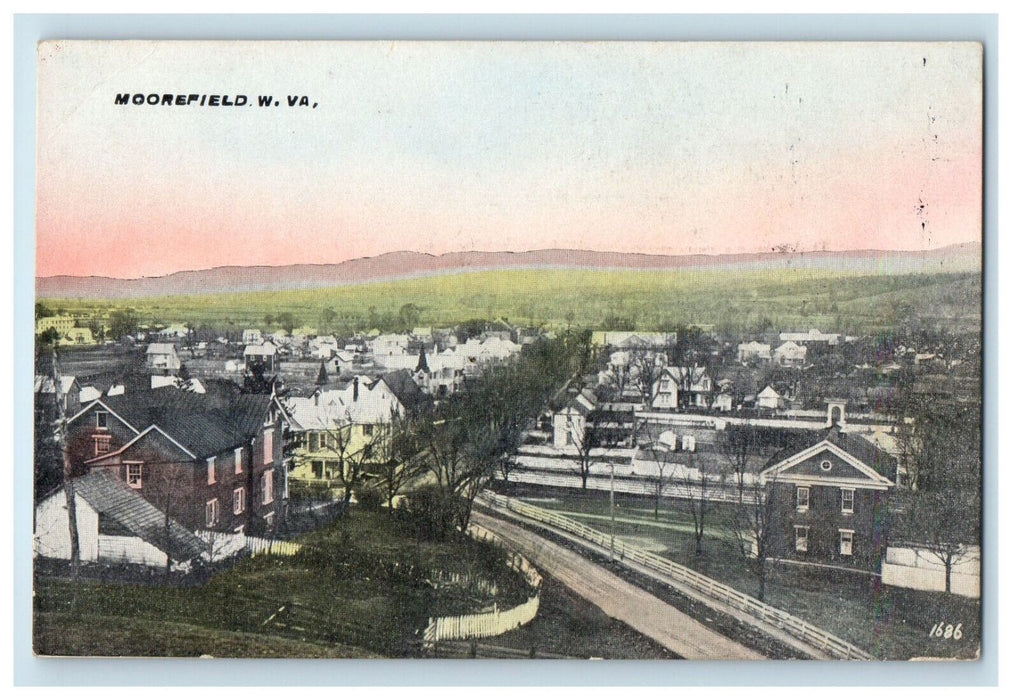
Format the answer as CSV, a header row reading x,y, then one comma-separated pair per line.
x,y
921,569
801,629
224,545
494,622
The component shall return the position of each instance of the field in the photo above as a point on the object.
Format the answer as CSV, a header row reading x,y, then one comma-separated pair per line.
x,y
351,596
736,300
891,623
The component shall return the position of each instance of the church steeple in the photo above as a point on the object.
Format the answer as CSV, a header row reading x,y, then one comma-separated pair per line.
x,y
422,361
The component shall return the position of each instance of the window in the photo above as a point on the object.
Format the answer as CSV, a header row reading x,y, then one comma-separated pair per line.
x,y
313,442
802,498
211,512
134,475
101,444
238,500
267,444
267,487
316,469
368,430
801,537
848,497
846,543
102,420
211,467
238,461
826,466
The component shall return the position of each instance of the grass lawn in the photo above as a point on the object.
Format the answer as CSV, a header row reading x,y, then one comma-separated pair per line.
x,y
891,623
362,587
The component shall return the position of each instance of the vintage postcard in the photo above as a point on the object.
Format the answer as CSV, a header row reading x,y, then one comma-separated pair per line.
x,y
536,350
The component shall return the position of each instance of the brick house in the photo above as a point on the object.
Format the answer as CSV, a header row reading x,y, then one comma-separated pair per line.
x,y
212,461
830,500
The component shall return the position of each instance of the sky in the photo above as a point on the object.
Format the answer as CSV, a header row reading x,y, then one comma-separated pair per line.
x,y
650,147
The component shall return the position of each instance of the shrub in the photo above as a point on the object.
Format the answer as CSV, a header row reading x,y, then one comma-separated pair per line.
x,y
368,497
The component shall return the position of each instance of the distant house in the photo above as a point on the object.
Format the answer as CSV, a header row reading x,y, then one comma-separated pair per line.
x,y
162,357
61,324
769,398
389,344
264,355
789,354
629,339
830,499
213,461
811,336
683,387
753,352
69,392
251,336
78,336
569,424
115,525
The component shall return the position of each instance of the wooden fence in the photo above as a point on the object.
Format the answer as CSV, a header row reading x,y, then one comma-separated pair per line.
x,y
491,623
801,629
280,548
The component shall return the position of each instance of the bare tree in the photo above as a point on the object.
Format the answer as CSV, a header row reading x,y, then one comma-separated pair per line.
x,y
695,486
585,439
646,371
663,461
753,520
68,473
354,455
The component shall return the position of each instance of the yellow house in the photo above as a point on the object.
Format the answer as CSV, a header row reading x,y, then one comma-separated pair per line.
x,y
61,324
336,428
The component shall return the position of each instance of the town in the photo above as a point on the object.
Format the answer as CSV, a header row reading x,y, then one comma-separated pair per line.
x,y
787,483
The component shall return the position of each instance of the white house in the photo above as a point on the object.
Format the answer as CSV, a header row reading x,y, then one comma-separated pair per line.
x,y
769,398
569,424
811,336
753,352
789,354
162,356
115,525
682,387
251,336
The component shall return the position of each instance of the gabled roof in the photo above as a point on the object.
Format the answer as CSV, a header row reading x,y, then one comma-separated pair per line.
x,y
119,502
160,349
406,389
871,461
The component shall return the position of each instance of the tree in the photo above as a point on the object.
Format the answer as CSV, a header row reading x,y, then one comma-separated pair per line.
x,y
585,439
941,511
123,322
664,464
327,317
42,311
646,370
60,438
401,463
287,322
354,455
695,486
409,315
753,519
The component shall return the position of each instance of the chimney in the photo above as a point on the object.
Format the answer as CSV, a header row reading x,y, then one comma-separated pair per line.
x,y
356,382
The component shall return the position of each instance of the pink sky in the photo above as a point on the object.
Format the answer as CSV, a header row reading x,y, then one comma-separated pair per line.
x,y
434,148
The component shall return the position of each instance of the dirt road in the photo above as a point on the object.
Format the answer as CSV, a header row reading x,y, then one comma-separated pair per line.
x,y
620,599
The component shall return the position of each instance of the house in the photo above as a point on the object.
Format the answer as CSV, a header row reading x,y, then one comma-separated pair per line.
x,y
769,398
115,525
69,392
682,387
789,354
569,424
212,460
389,344
753,352
78,336
251,336
162,357
629,339
811,336
335,426
264,356
829,500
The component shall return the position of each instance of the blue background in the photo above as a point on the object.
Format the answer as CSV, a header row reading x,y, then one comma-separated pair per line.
x,y
28,29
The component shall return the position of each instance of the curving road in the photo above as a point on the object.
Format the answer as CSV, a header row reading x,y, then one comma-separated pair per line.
x,y
618,598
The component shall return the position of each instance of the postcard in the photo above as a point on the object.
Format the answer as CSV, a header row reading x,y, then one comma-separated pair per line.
x,y
526,350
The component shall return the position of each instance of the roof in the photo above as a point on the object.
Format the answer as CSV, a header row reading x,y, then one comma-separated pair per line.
x,y
160,349
118,501
406,389
205,424
855,445
44,384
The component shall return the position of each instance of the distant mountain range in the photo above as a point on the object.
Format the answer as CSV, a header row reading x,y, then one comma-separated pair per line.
x,y
964,257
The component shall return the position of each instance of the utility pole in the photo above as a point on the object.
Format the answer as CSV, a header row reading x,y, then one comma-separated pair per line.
x,y
68,473
612,509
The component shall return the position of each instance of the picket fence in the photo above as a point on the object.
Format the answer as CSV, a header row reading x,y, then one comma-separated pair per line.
x,y
801,629
221,546
280,548
494,622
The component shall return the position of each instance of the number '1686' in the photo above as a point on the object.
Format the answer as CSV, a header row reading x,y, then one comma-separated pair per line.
x,y
946,631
